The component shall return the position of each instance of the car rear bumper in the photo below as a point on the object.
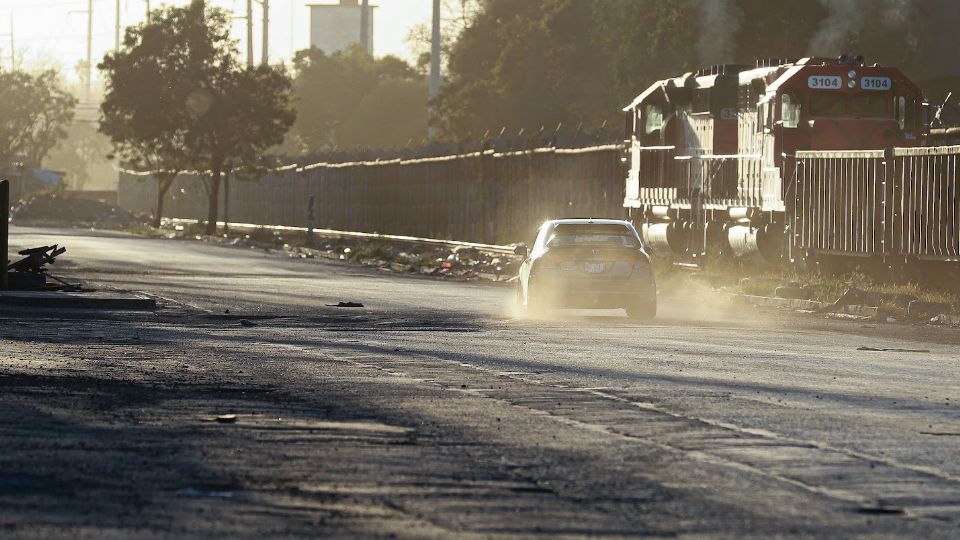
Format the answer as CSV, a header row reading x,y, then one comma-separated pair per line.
x,y
594,293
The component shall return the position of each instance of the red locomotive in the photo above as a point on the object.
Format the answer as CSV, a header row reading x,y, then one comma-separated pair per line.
x,y
712,153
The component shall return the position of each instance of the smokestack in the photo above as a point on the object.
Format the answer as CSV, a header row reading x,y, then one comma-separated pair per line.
x,y
365,26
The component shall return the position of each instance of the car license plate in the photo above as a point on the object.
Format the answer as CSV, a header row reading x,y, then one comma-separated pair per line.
x,y
594,268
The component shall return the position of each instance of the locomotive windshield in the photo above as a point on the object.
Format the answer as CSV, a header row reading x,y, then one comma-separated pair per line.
x,y
834,105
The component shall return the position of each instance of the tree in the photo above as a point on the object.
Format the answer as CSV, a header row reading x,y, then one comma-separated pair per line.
x,y
532,64
34,115
83,156
526,65
350,99
178,98
455,17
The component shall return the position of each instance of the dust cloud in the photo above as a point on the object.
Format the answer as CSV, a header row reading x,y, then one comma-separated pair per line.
x,y
681,302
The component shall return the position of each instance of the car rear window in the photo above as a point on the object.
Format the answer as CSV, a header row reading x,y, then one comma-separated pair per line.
x,y
592,235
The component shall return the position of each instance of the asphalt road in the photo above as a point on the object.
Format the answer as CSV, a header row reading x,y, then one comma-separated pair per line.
x,y
714,419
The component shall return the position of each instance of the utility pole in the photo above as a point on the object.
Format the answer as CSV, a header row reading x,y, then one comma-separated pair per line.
x,y
250,33
116,29
265,54
13,47
4,231
365,26
435,52
89,66
148,11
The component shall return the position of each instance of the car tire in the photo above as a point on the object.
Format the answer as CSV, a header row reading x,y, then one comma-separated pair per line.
x,y
643,311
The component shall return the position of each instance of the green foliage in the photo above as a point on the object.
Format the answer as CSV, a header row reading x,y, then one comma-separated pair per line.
x,y
531,64
350,99
178,98
34,114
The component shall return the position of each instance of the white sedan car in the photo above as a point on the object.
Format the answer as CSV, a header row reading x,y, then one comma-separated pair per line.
x,y
587,263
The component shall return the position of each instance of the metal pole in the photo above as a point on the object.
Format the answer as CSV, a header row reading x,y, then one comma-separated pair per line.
x,y
365,26
249,33
226,201
265,54
116,28
311,219
13,49
4,230
89,65
434,87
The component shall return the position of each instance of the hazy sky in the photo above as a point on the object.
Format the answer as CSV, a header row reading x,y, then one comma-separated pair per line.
x,y
52,33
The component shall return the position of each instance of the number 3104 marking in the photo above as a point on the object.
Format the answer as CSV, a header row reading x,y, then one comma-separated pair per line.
x,y
824,82
875,83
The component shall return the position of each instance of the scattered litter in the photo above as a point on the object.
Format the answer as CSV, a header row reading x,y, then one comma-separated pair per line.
x,y
345,304
76,211
880,509
845,316
248,324
853,296
226,419
940,319
919,308
794,291
875,349
891,320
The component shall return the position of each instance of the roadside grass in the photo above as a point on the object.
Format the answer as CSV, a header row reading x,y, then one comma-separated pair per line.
x,y
144,230
374,250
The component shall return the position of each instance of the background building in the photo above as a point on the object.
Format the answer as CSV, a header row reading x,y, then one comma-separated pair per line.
x,y
334,27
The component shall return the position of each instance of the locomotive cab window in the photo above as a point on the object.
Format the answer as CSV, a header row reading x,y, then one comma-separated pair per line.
x,y
906,113
826,104
701,101
654,119
789,111
869,106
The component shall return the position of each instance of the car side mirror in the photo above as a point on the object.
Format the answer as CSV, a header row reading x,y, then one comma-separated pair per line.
x,y
520,250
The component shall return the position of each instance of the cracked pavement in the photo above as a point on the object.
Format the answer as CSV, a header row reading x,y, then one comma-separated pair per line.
x,y
432,412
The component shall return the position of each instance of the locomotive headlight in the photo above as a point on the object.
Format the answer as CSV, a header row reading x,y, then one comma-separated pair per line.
x,y
852,74
851,83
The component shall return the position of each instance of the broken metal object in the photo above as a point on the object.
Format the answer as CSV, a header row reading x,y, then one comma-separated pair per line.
x,y
30,272
35,259
346,304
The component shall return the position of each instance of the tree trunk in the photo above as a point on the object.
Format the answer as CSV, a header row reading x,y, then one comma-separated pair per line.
x,y
214,202
163,186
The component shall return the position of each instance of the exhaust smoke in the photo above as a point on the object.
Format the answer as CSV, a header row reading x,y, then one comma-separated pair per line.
x,y
722,19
